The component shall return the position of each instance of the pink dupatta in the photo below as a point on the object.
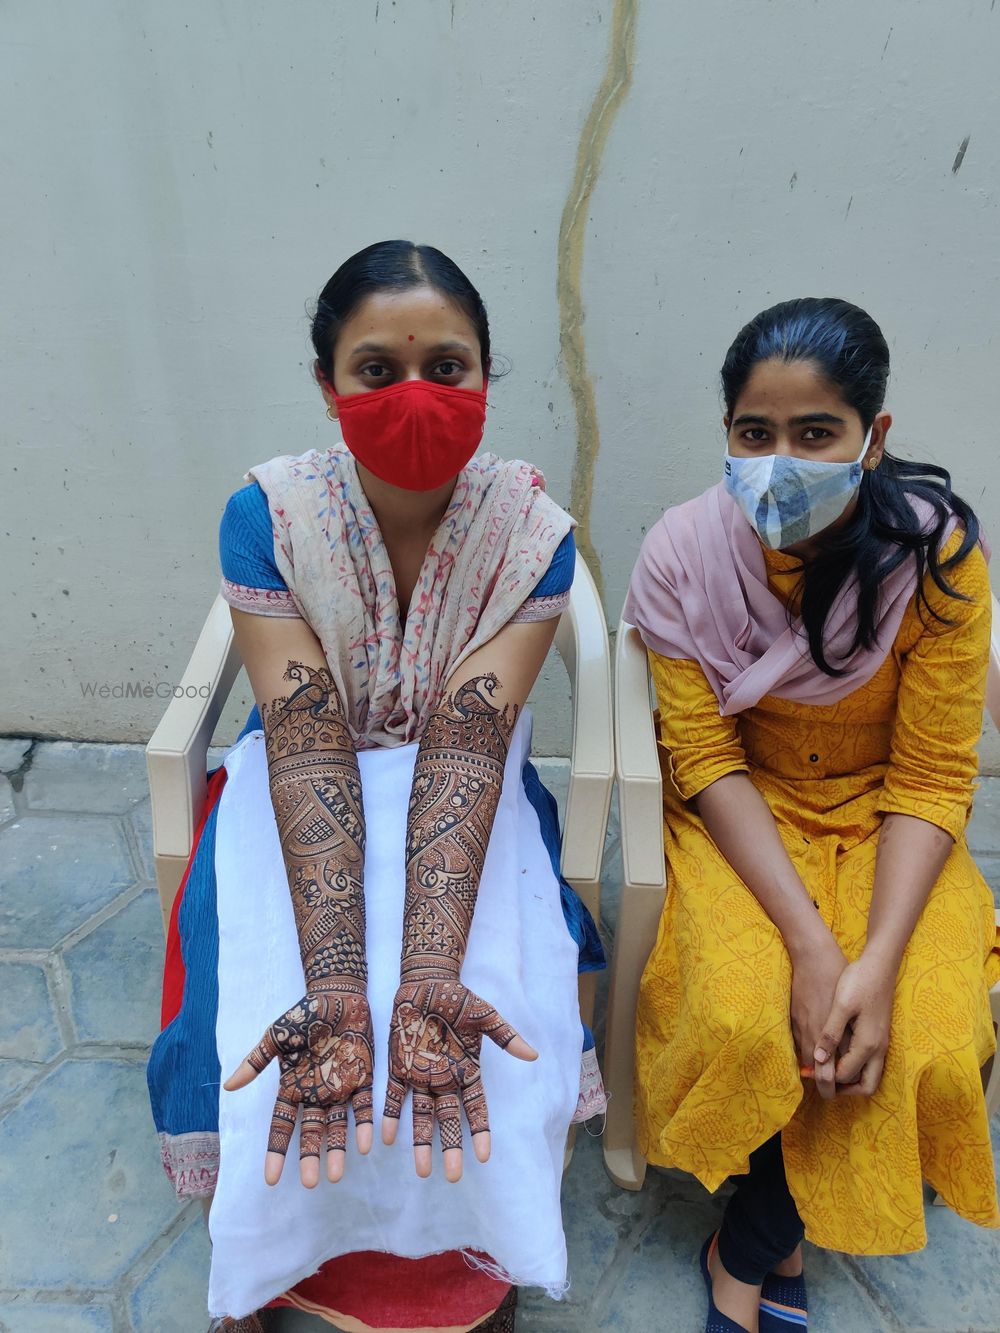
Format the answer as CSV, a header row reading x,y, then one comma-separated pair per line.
x,y
699,591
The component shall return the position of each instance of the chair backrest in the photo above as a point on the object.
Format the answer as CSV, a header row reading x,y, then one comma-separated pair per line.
x,y
176,755
637,765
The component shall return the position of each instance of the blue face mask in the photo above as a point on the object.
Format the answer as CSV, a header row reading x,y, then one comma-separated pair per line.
x,y
787,499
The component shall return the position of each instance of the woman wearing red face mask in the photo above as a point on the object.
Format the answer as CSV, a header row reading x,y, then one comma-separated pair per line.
x,y
348,945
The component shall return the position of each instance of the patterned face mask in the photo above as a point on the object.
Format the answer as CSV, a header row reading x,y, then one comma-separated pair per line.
x,y
788,499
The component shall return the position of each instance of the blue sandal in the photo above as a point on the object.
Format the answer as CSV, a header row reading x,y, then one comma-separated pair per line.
x,y
717,1322
783,1304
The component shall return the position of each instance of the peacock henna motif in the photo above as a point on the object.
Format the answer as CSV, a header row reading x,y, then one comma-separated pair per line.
x,y
316,793
324,1046
437,1024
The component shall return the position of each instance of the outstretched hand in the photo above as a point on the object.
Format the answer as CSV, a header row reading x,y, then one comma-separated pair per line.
x,y
435,1039
324,1049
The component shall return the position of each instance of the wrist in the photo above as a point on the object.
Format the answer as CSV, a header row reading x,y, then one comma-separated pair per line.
x,y
806,938
885,955
426,969
342,985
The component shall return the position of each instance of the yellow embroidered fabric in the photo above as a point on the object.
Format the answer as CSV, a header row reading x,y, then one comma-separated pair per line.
x,y
716,1069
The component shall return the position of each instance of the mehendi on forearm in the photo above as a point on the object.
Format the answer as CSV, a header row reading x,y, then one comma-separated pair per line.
x,y
316,792
456,791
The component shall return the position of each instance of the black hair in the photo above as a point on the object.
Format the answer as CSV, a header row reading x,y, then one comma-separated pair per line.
x,y
392,266
846,346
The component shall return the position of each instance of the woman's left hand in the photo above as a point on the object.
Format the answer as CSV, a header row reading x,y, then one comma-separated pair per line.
x,y
851,1050
435,1038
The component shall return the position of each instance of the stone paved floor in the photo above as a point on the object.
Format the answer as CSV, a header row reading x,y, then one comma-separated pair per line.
x,y
91,1236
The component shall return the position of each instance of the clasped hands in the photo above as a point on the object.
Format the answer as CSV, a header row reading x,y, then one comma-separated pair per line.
x,y
325,1051
841,1014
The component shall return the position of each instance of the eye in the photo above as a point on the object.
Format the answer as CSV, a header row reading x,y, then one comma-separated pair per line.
x,y
755,434
816,433
449,368
374,370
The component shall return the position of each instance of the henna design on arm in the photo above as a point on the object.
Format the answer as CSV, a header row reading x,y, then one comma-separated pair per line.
x,y
456,791
324,1044
438,1025
316,792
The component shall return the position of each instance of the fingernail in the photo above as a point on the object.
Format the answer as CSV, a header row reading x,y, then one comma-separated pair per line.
x,y
821,1055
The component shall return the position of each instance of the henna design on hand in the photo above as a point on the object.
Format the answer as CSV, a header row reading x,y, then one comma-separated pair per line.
x,y
435,1039
316,792
453,803
324,1048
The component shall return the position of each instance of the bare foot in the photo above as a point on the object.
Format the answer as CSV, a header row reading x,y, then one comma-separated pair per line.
x,y
738,1300
792,1266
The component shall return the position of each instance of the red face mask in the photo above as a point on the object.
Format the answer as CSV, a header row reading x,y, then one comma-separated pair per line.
x,y
414,434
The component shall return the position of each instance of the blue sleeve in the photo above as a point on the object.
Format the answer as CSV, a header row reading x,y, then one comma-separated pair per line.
x,y
558,578
246,541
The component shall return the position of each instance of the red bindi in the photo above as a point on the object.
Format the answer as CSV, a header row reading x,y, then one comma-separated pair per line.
x,y
409,338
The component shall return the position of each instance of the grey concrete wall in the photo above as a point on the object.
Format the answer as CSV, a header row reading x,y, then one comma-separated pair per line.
x,y
626,182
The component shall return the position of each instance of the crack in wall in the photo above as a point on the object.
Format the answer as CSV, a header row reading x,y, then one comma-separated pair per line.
x,y
608,98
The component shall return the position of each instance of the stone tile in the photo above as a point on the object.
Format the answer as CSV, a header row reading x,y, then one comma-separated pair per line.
x,y
56,873
6,801
983,833
172,1298
48,1318
116,973
78,1150
141,819
597,1217
12,752
989,866
612,872
14,1074
950,1284
28,1027
86,777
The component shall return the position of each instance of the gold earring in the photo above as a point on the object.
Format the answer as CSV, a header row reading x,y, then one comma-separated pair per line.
x,y
873,464
331,414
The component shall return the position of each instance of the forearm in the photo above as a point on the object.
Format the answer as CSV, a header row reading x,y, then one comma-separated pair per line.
x,y
910,857
741,825
456,791
315,789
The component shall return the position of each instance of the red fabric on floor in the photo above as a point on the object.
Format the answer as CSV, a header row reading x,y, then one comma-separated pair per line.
x,y
386,1291
173,963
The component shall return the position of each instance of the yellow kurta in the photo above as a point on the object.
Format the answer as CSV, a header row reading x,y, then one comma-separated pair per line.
x,y
716,1068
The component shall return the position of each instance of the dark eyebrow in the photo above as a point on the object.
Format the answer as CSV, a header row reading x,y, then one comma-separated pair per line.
x,y
747,420
817,419
453,346
809,419
370,348
378,349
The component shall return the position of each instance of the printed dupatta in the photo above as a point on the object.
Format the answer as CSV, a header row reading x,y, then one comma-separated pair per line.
x,y
493,544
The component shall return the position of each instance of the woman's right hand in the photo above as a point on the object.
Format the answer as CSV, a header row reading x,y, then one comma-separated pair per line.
x,y
816,970
324,1048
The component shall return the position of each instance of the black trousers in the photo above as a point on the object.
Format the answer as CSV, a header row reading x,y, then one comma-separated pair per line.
x,y
761,1225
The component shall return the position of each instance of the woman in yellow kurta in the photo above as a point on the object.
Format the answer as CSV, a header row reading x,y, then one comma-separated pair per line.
x,y
814,1015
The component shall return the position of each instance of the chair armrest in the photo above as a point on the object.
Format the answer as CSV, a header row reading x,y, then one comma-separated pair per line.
x,y
177,751
582,642
637,768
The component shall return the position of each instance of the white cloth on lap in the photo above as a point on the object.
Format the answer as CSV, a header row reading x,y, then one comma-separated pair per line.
x,y
521,958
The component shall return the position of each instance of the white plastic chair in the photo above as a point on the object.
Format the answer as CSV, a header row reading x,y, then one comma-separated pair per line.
x,y
176,755
640,803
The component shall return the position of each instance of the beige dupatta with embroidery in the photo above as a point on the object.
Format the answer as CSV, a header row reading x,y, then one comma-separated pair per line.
x,y
495,542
